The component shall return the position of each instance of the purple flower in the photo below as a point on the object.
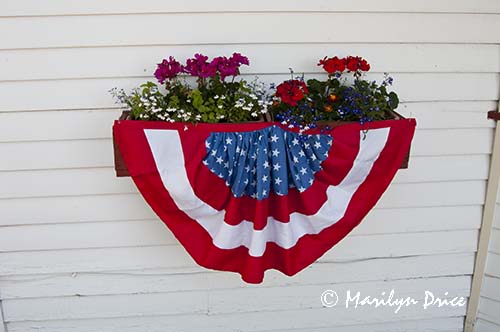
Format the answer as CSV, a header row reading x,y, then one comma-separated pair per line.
x,y
167,69
229,66
198,66
225,67
239,59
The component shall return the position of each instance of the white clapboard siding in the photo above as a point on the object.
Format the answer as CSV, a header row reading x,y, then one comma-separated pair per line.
x,y
426,169
132,209
96,124
188,323
81,251
174,256
120,30
61,7
42,183
158,279
428,148
67,94
137,61
223,301
303,319
135,233
132,206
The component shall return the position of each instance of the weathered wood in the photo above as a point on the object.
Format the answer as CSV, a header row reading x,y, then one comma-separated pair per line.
x,y
223,302
152,280
174,256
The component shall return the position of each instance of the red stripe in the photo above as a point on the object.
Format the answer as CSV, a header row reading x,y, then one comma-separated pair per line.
x,y
213,190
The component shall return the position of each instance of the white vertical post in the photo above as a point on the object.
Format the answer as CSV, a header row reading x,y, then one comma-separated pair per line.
x,y
485,234
2,322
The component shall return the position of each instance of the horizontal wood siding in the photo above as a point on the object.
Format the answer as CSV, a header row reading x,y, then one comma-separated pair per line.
x,y
80,250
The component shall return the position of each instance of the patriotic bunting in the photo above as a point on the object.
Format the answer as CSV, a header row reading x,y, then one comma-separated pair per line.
x,y
256,196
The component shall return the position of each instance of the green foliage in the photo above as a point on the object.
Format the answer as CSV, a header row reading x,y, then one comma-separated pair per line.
x,y
212,101
337,99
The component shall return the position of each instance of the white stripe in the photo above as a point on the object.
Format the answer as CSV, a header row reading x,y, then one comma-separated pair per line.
x,y
167,153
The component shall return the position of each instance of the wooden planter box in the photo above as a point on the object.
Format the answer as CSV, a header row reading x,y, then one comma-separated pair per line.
x,y
121,168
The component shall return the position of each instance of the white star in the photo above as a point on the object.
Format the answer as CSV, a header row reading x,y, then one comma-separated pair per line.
x,y
221,176
243,153
245,182
213,153
301,153
295,141
295,159
264,192
265,164
207,145
313,157
311,181
254,156
254,195
277,166
229,140
278,181
237,149
297,177
307,145
219,160
329,142
205,162
254,183
230,172
326,154
317,145
254,170
226,164
274,138
264,178
275,152
225,148
247,168
303,170
302,189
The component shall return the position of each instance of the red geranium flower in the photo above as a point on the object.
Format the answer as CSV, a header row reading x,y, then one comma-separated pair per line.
x,y
355,63
291,91
332,65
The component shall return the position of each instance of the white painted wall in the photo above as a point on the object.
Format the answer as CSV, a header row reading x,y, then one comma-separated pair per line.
x,y
80,250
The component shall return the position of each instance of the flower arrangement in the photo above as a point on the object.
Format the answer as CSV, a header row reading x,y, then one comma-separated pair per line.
x,y
338,98
213,99
217,96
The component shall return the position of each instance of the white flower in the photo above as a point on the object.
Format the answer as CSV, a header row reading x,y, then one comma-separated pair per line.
x,y
216,97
